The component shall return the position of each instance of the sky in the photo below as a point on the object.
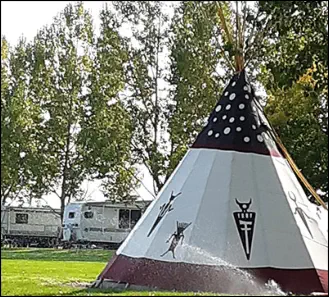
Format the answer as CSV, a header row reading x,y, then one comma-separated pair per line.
x,y
25,18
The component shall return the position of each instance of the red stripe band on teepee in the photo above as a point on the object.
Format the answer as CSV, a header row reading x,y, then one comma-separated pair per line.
x,y
267,152
192,277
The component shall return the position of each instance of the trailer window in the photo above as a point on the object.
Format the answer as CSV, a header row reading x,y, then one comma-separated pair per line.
x,y
135,216
128,218
22,218
89,214
71,215
124,219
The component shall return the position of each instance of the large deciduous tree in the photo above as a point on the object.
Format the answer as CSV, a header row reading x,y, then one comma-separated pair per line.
x,y
60,76
295,75
196,59
18,117
107,127
146,94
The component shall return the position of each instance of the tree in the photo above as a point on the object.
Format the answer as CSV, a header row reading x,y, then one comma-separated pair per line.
x,y
59,77
164,124
301,120
196,57
295,64
145,96
17,122
107,127
296,39
85,131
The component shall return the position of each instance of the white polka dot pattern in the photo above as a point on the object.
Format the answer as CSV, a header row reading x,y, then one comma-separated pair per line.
x,y
227,130
232,96
236,123
260,138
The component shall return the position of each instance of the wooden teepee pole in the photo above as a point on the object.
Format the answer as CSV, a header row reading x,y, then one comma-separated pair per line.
x,y
293,164
298,172
223,21
239,45
226,29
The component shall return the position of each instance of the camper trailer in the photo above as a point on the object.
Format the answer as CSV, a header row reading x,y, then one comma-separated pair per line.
x,y
103,224
30,226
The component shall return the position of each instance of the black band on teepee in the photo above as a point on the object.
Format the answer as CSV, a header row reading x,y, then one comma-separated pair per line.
x,y
236,122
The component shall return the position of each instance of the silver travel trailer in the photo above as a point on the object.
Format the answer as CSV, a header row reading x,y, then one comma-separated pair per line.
x,y
30,226
103,224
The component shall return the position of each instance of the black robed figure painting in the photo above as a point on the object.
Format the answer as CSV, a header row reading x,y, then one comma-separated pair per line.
x,y
176,237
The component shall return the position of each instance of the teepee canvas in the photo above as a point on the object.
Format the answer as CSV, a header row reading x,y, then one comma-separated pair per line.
x,y
232,206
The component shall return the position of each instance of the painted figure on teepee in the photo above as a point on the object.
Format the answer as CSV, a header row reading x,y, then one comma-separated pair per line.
x,y
175,238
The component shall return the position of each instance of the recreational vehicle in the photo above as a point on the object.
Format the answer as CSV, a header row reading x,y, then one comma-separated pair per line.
x,y
103,224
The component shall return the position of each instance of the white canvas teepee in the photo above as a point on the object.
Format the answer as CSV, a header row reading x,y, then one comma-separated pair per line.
x,y
232,203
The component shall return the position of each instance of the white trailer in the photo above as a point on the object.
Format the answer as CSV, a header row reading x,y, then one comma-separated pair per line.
x,y
26,226
103,224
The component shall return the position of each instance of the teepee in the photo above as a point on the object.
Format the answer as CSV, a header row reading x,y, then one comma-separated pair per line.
x,y
232,216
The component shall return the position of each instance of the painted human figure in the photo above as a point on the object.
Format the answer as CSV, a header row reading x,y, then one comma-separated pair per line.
x,y
301,212
176,237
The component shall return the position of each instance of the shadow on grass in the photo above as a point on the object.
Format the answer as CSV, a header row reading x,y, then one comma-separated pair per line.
x,y
56,255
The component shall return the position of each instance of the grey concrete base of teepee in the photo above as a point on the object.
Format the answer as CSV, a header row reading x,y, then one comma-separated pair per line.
x,y
120,286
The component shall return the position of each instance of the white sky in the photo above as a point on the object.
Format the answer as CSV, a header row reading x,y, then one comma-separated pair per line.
x,y
27,17
20,18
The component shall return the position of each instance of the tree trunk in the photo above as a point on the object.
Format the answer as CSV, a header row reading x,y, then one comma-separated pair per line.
x,y
64,193
62,210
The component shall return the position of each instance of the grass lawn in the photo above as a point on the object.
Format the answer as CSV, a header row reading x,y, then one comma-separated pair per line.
x,y
49,272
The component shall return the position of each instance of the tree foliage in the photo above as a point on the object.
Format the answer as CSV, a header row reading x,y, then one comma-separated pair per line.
x,y
76,106
18,117
295,74
145,97
195,82
107,128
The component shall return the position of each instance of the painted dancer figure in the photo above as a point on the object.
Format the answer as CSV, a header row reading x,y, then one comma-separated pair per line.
x,y
164,209
176,237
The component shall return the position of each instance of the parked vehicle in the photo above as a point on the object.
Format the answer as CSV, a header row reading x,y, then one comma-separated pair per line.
x,y
30,226
102,224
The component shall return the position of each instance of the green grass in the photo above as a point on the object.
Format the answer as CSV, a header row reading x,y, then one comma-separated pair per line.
x,y
57,255
49,272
